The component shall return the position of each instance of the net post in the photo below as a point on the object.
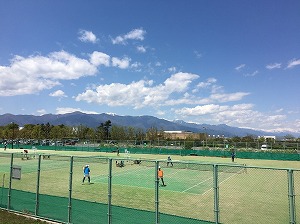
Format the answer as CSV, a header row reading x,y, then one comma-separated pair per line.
x,y
10,181
109,191
216,194
292,210
37,196
156,193
70,190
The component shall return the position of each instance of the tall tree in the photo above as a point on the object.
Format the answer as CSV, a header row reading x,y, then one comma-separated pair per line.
x,y
104,128
152,133
118,133
131,135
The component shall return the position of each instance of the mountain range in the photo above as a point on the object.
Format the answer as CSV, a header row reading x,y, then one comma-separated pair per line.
x,y
143,122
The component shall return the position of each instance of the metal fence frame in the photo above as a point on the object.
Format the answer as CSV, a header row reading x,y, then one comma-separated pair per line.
x,y
290,196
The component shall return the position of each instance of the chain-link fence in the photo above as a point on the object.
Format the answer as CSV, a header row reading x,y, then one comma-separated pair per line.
x,y
127,190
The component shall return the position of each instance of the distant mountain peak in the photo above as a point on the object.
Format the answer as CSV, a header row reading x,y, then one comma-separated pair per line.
x,y
112,114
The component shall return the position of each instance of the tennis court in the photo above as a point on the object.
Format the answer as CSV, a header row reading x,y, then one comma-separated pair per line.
x,y
177,178
189,196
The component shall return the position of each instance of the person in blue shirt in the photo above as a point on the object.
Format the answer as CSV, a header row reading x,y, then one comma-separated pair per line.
x,y
86,173
232,155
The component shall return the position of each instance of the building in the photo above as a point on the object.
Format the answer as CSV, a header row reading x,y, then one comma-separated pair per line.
x,y
182,135
267,138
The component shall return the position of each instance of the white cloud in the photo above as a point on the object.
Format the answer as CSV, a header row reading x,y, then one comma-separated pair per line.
x,y
228,97
136,66
206,84
87,36
160,112
41,111
99,58
293,63
136,34
172,69
173,91
240,67
141,49
201,110
36,73
65,110
251,74
198,55
212,109
279,110
121,63
273,66
239,115
138,94
179,82
58,93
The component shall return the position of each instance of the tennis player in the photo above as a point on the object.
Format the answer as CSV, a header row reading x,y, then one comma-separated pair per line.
x,y
160,175
169,161
86,173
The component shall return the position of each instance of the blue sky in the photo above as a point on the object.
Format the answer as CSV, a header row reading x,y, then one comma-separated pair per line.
x,y
214,62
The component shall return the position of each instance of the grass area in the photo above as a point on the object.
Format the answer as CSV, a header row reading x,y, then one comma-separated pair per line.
x,y
12,218
262,194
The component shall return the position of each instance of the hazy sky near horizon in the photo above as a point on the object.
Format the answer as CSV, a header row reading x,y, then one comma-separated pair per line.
x,y
215,62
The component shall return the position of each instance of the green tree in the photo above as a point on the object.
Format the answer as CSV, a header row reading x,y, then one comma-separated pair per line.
x,y
84,132
26,131
101,132
131,133
152,134
236,139
13,130
248,138
289,137
36,132
140,134
118,133
104,128
189,142
56,132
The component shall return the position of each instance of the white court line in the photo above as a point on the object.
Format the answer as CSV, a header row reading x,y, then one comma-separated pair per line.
x,y
207,180
220,183
196,185
172,174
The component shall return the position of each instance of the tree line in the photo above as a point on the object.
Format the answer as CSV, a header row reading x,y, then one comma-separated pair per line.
x,y
105,131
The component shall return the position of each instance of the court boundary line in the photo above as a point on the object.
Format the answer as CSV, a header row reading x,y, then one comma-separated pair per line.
x,y
208,180
221,183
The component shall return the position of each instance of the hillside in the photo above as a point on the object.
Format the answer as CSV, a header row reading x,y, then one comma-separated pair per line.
x,y
143,122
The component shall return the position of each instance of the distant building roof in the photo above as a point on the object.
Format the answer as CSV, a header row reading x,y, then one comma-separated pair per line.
x,y
177,132
267,136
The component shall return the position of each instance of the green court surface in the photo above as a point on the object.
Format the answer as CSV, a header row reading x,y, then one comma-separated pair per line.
x,y
261,193
175,178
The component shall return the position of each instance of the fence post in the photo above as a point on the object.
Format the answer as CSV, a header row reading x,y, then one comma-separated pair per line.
x,y
70,191
291,197
216,194
37,196
109,190
156,193
10,181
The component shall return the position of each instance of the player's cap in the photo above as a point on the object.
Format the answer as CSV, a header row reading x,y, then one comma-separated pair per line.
x,y
87,165
159,167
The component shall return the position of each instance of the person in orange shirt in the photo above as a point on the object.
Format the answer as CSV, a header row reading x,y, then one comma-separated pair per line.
x,y
160,174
